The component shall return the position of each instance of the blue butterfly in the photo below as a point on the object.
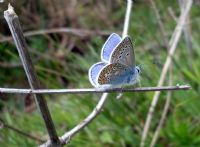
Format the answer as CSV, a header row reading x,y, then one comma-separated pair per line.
x,y
118,64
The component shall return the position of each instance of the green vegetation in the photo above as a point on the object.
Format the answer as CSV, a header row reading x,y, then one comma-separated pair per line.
x,y
62,61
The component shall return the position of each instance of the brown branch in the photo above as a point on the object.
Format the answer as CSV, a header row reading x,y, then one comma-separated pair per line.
x,y
17,34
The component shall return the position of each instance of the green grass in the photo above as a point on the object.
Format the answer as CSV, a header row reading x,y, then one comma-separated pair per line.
x,y
121,122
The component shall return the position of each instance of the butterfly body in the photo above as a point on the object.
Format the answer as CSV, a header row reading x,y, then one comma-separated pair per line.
x,y
118,64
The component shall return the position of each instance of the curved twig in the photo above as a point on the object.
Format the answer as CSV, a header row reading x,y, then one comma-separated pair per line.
x,y
67,136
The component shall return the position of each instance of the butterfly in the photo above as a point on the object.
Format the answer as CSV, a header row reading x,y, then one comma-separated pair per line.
x,y
117,67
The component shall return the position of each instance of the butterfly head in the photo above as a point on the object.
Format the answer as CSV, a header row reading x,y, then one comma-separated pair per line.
x,y
134,76
138,69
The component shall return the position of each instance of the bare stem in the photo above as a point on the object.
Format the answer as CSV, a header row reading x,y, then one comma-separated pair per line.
x,y
127,18
17,34
172,47
90,90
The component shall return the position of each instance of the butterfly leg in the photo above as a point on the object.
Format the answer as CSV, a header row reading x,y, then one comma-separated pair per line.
x,y
119,95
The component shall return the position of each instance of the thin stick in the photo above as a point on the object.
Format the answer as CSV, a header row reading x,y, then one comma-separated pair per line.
x,y
90,90
4,125
173,43
67,136
127,18
71,31
15,28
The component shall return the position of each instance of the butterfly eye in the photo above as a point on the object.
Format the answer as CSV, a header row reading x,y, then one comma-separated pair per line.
x,y
138,70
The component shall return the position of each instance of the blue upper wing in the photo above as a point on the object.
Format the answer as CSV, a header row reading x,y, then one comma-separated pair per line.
x,y
94,72
110,44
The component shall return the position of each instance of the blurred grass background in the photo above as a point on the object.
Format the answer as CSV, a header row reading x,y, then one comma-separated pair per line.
x,y
62,60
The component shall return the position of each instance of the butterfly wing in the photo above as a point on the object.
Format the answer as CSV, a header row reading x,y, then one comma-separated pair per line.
x,y
111,74
94,72
123,53
111,43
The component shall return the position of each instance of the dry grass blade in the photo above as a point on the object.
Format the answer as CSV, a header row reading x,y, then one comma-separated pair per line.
x,y
172,47
164,113
17,130
71,31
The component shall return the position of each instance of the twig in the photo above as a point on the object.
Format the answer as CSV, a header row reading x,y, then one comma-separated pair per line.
x,y
15,28
67,136
4,125
172,45
73,31
127,18
90,90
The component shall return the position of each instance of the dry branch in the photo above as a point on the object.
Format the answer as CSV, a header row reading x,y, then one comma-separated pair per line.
x,y
91,90
17,34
